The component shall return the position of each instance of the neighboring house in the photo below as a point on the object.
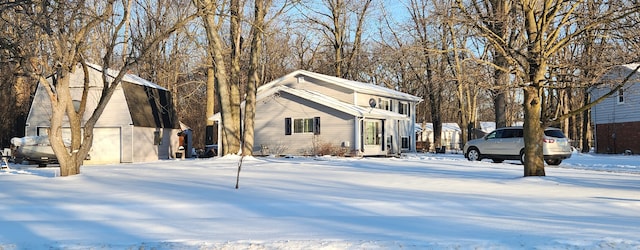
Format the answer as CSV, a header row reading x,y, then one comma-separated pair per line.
x,y
617,118
303,113
139,123
450,136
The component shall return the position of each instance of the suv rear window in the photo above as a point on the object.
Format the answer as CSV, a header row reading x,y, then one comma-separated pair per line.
x,y
554,133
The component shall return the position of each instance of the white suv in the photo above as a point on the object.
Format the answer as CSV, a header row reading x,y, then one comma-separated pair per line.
x,y
508,144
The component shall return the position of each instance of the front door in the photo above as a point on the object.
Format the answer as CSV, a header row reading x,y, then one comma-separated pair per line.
x,y
373,135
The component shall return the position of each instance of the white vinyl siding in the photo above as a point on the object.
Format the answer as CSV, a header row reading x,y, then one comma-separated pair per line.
x,y
617,108
623,105
328,125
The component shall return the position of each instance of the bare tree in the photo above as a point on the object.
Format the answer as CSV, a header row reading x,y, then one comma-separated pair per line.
x,y
65,29
18,47
548,27
229,110
342,30
466,92
425,72
257,30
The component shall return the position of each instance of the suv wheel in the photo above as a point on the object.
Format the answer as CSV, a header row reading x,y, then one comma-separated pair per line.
x,y
473,154
553,162
522,156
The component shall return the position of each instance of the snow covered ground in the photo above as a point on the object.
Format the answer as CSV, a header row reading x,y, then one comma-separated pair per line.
x,y
420,201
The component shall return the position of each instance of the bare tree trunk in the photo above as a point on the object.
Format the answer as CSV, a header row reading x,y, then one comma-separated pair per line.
x,y
357,41
533,132
532,104
499,97
254,76
211,96
234,135
230,121
500,11
586,126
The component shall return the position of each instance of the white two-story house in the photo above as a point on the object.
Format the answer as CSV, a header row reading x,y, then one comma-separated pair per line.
x,y
303,111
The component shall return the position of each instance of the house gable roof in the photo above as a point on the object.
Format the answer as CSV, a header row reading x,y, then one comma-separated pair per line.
x,y
150,107
327,101
149,104
336,104
359,87
127,77
277,85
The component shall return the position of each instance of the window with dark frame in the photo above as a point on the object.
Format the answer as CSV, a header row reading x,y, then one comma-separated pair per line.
x,y
403,108
620,96
405,142
287,126
383,104
302,125
316,125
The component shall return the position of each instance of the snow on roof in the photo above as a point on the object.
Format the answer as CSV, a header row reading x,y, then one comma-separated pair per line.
x,y
327,101
359,87
487,127
128,77
446,126
631,66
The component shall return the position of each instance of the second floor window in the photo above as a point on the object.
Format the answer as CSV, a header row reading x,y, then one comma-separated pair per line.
x,y
620,96
403,108
384,104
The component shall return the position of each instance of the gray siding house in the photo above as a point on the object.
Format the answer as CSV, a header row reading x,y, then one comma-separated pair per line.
x,y
617,118
139,123
303,111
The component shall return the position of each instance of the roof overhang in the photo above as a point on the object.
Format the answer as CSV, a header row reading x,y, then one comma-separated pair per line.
x,y
330,102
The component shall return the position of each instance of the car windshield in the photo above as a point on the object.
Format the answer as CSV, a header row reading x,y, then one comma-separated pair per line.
x,y
554,133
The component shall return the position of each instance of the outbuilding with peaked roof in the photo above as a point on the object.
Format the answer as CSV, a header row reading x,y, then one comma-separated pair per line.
x,y
139,123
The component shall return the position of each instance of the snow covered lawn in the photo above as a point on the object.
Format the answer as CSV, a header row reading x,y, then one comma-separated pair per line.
x,y
415,202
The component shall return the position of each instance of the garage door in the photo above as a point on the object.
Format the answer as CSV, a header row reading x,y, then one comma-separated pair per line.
x,y
106,146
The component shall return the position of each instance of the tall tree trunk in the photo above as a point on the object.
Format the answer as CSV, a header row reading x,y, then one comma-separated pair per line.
x,y
499,97
500,27
230,128
532,103
211,98
230,124
586,126
533,132
337,10
254,76
234,140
